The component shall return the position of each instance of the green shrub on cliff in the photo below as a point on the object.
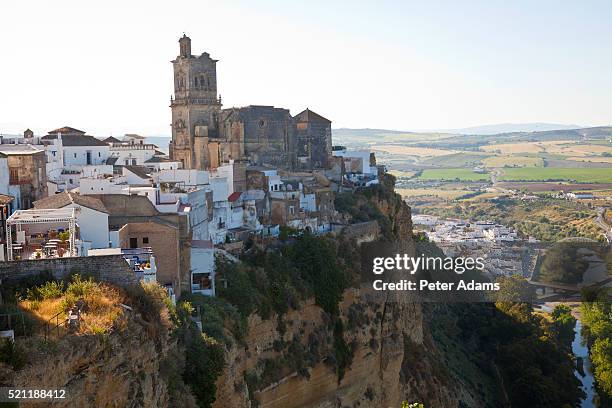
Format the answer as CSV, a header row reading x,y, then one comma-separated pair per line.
x,y
597,320
317,263
203,356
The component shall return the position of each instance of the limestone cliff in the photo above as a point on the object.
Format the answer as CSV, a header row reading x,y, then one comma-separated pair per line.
x,y
394,358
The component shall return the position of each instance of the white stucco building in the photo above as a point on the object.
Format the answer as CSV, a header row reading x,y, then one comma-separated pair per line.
x,y
91,216
68,154
357,161
202,267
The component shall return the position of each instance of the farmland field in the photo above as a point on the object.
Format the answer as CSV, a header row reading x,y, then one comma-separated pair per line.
x,y
514,148
402,174
581,175
412,151
513,161
420,192
463,159
453,174
596,159
554,186
553,147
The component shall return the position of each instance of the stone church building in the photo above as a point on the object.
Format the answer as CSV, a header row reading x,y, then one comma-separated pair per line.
x,y
205,136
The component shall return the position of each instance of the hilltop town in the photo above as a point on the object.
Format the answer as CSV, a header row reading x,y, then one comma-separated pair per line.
x,y
228,271
230,176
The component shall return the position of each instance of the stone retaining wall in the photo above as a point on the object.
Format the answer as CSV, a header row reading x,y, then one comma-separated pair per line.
x,y
109,268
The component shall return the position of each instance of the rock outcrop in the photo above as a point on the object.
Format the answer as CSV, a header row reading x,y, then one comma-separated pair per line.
x,y
121,368
381,330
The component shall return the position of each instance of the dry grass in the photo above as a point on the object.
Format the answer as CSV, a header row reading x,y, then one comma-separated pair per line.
x,y
100,311
595,159
557,147
412,151
578,150
400,173
511,161
513,148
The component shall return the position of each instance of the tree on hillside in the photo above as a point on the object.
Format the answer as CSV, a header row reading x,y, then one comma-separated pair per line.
x,y
563,263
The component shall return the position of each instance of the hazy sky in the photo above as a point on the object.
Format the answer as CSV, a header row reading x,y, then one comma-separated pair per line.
x,y
104,66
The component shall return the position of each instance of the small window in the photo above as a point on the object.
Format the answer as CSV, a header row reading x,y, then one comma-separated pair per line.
x,y
99,154
145,240
75,155
133,243
13,176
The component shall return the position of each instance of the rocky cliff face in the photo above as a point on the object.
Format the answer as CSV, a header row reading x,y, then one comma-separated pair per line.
x,y
122,368
393,356
394,360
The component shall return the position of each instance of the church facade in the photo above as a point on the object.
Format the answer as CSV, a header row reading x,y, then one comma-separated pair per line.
x,y
205,136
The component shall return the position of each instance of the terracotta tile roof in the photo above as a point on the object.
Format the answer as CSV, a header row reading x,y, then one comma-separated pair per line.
x,y
66,130
77,140
234,196
121,205
66,198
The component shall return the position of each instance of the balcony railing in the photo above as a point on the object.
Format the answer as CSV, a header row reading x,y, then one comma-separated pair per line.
x,y
127,146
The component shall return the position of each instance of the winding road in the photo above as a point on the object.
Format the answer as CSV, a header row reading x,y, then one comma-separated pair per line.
x,y
601,222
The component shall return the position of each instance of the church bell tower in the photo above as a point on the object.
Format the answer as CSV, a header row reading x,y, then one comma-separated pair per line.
x,y
195,108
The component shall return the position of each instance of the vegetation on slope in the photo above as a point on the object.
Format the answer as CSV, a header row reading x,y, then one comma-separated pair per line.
x,y
564,263
596,311
528,354
545,219
366,204
106,323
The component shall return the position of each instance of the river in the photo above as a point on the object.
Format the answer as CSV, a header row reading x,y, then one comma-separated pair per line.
x,y
580,350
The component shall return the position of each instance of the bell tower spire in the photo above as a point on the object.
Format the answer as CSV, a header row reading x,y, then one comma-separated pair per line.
x,y
185,46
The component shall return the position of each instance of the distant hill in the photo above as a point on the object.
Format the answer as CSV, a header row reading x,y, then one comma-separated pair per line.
x,y
511,128
362,138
